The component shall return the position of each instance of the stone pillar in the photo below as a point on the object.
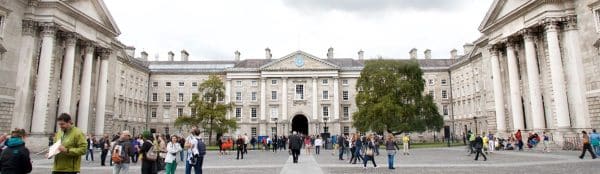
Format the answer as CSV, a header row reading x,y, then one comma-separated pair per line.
x,y
101,99
515,89
336,98
42,86
558,77
498,93
228,96
67,74
315,97
23,94
86,83
537,110
263,98
284,97
575,75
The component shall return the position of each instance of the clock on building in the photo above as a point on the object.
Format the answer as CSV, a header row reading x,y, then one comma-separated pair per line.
x,y
299,60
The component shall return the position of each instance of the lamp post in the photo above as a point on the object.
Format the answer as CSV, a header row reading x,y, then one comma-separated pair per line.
x,y
475,119
276,127
325,119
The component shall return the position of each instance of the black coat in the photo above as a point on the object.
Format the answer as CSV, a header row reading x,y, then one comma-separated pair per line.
x,y
295,142
15,159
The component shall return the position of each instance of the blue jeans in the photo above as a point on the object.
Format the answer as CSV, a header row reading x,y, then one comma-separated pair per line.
x,y
89,152
197,166
597,149
122,168
181,155
341,153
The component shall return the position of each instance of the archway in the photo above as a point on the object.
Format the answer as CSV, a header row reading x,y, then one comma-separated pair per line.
x,y
300,124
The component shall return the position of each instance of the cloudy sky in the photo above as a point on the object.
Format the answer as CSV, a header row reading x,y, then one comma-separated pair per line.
x,y
214,30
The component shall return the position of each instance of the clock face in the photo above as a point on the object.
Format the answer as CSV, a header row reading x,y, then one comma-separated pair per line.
x,y
299,61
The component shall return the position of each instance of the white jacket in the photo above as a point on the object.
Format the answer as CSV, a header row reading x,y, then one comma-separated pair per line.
x,y
318,142
172,148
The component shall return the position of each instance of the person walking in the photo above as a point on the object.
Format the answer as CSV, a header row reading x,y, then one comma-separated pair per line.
x,y
519,138
73,146
246,141
546,142
122,152
135,153
595,141
405,141
472,137
318,144
391,147
295,146
486,144
196,151
171,159
253,142
586,146
181,144
90,147
478,145
377,143
239,146
492,143
275,145
358,146
105,146
149,155
369,152
307,144
341,141
15,158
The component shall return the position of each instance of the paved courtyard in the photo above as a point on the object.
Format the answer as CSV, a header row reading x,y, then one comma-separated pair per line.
x,y
434,160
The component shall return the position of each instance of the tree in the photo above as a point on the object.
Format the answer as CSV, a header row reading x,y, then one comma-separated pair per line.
x,y
390,98
209,111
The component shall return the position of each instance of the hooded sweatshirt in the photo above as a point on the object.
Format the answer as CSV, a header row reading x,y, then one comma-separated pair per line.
x,y
15,158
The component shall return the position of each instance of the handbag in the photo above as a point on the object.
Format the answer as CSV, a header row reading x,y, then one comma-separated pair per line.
x,y
369,152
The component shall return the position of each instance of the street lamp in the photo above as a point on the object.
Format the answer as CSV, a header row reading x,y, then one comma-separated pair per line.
x,y
276,127
325,129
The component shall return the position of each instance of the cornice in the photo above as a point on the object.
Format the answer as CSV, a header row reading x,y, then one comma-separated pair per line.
x,y
75,13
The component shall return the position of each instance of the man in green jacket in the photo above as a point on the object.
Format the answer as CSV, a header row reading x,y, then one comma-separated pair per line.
x,y
73,146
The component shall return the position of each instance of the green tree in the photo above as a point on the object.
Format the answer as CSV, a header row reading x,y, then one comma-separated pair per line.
x,y
390,98
209,111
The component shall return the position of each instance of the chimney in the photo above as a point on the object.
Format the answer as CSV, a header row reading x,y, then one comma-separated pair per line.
x,y
237,55
330,53
171,56
468,47
268,54
144,55
453,54
130,51
361,55
184,55
413,53
427,54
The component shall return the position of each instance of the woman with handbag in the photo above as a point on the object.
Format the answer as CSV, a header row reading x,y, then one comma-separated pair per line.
x,y
148,154
171,157
369,152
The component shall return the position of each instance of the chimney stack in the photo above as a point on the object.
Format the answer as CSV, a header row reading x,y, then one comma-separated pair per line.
x,y
413,53
130,51
237,55
184,55
468,47
453,54
171,56
427,54
144,55
361,55
330,53
268,54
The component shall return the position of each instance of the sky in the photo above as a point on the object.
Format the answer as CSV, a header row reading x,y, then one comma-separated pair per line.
x,y
214,30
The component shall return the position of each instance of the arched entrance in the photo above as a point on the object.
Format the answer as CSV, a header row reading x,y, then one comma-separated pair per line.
x,y
300,124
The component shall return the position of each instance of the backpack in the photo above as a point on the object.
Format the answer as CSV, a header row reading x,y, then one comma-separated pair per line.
x,y
116,155
201,147
151,154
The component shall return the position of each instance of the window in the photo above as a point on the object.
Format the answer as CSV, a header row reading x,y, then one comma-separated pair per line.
x,y
166,112
299,92
181,84
432,93
253,131
253,96
254,83
154,97
238,83
154,84
274,130
346,129
168,97
193,112
238,112
253,113
273,95
444,82
168,84
345,95
273,82
274,112
238,96
344,82
597,17
325,95
430,81
325,111
444,94
153,112
325,81
445,109
194,84
346,112
179,112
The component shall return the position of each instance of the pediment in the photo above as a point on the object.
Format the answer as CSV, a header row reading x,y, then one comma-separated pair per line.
x,y
299,60
97,11
499,9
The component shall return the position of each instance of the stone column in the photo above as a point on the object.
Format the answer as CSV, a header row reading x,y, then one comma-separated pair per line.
x,y
537,110
67,74
228,96
284,97
263,98
315,95
558,76
336,98
23,94
101,99
86,83
42,86
498,93
515,89
575,75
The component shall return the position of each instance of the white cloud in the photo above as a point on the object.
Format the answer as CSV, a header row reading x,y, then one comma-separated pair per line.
x,y
215,29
